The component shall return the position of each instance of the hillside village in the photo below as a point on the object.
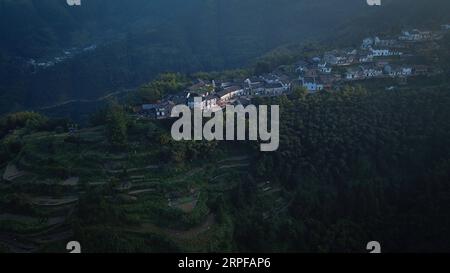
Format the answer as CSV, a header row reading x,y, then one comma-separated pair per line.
x,y
377,58
57,173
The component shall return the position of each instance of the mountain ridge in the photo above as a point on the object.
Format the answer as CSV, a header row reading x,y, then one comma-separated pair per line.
x,y
141,39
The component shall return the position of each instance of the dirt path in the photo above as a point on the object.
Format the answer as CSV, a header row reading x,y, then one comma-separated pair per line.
x,y
179,234
12,173
72,181
49,201
236,158
102,98
137,192
238,165
151,167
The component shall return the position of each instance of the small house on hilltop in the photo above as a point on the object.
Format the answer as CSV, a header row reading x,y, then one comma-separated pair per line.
x,y
161,110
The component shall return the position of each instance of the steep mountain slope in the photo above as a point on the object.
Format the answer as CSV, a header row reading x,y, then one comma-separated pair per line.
x,y
138,39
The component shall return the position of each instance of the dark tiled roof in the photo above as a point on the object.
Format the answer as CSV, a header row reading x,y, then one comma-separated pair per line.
x,y
274,85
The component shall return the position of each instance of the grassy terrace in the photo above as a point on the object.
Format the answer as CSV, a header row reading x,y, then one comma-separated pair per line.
x,y
160,199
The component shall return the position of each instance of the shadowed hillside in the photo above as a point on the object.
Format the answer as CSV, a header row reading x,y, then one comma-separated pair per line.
x,y
135,41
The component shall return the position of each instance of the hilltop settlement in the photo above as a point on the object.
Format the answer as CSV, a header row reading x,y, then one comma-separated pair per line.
x,y
399,57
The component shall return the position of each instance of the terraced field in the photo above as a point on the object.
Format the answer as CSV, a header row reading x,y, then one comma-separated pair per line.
x,y
43,187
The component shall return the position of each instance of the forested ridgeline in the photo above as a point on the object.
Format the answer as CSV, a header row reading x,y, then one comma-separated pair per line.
x,y
353,166
359,166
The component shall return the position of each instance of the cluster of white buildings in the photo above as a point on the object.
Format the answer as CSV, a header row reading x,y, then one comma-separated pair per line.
x,y
216,95
66,55
375,58
376,71
375,49
318,73
417,36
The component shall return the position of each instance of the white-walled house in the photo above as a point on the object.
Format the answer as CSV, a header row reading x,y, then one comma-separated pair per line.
x,y
275,89
407,71
367,43
311,84
384,53
416,36
371,72
270,78
230,93
381,52
324,68
157,111
253,87
365,58
345,60
163,110
401,72
207,103
195,104
210,102
353,74
384,43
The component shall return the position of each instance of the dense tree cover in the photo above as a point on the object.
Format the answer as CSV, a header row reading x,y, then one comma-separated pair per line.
x,y
353,166
116,125
15,125
19,120
164,84
360,166
286,55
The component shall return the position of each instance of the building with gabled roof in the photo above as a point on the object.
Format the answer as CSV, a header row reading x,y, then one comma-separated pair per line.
x,y
312,84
